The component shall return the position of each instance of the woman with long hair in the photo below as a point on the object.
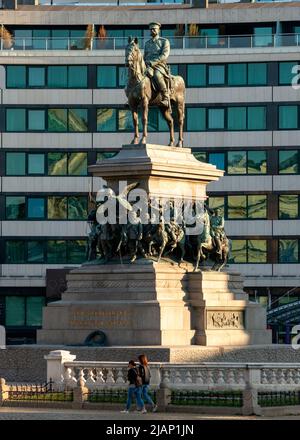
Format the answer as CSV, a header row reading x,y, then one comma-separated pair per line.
x,y
144,372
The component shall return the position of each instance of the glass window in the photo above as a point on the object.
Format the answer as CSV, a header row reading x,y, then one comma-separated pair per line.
x,y
288,251
57,164
57,77
216,118
288,206
256,118
257,206
36,77
174,68
77,77
78,119
36,120
77,164
60,39
237,207
200,155
236,162
56,251
15,251
216,202
15,207
257,251
216,74
39,38
15,119
35,207
57,208
77,208
106,119
123,76
76,251
257,162
217,159
15,164
196,75
237,74
152,120
23,38
238,253
288,116
288,162
35,252
106,155
36,163
195,119
34,310
237,118
16,77
106,76
14,310
285,72
125,120
263,36
257,74
57,119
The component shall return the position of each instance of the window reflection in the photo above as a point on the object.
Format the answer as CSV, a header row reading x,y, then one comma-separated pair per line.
x,y
257,206
288,162
238,253
77,164
288,206
57,208
288,251
106,119
237,207
57,164
77,119
57,119
236,162
257,251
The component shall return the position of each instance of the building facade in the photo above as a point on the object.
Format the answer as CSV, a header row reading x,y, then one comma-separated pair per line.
x,y
62,107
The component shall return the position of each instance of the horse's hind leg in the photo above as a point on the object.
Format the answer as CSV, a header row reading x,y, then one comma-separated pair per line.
x,y
168,117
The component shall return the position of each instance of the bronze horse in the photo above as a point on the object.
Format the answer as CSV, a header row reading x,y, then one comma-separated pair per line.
x,y
140,94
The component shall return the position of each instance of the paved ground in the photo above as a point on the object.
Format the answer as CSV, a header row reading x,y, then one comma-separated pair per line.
x,y
69,414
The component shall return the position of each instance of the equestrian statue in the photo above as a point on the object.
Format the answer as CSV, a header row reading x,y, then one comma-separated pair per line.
x,y
151,84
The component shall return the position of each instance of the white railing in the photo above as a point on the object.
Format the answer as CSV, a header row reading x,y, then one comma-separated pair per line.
x,y
68,373
182,42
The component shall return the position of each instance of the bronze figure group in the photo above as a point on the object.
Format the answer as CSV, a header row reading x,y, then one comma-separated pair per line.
x,y
158,238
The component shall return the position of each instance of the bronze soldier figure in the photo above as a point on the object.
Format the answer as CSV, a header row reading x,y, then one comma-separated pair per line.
x,y
157,51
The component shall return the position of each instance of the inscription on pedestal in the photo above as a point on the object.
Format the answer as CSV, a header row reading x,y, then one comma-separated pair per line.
x,y
100,319
229,319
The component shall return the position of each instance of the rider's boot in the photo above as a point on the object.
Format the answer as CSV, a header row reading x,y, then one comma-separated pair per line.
x,y
164,98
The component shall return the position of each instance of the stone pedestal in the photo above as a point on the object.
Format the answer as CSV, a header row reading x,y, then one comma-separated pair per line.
x,y
151,304
133,304
222,313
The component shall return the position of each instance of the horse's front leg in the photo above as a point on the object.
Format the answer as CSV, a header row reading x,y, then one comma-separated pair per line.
x,y
198,260
180,108
135,119
145,109
161,251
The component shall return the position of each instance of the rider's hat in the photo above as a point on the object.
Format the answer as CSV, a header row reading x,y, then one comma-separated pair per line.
x,y
153,24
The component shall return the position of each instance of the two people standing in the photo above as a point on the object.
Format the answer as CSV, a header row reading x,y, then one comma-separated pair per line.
x,y
139,380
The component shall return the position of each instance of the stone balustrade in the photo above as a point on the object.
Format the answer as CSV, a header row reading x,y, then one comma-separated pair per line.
x,y
65,372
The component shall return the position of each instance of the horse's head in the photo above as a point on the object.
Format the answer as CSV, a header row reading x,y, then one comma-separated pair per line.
x,y
133,57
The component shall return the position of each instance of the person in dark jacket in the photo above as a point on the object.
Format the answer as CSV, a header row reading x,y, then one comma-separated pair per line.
x,y
134,389
144,371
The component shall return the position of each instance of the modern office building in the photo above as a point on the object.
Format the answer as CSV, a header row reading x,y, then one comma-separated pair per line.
x,y
62,108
